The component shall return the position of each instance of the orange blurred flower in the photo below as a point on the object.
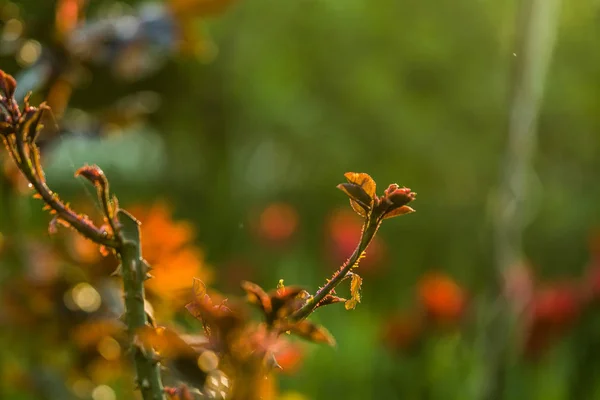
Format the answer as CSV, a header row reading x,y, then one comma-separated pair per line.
x,y
168,246
67,16
83,250
442,298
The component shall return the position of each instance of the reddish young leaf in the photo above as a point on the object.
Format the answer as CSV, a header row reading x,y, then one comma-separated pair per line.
x,y
8,84
199,290
257,296
399,211
330,299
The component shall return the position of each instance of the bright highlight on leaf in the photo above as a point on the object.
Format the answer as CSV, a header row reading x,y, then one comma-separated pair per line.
x,y
363,199
355,286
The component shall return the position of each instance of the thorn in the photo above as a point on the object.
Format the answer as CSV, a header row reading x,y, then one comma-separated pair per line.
x,y
118,272
146,265
148,276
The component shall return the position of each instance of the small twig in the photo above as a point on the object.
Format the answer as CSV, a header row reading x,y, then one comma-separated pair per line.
x,y
374,209
367,236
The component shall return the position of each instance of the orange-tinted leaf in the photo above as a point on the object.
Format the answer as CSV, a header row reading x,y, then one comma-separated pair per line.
x,y
330,299
363,180
355,285
165,341
399,211
358,208
287,293
199,290
285,301
7,85
313,332
256,295
356,193
195,309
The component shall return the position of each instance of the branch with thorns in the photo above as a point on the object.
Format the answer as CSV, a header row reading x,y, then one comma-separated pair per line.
x,y
230,338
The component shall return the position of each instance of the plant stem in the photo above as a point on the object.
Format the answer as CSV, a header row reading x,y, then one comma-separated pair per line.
x,y
25,165
536,32
369,230
134,271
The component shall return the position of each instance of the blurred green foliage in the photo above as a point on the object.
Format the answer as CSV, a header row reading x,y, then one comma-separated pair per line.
x,y
409,91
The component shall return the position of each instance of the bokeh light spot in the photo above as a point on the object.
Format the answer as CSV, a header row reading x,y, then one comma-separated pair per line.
x,y
103,392
29,53
208,361
86,297
82,388
13,29
109,348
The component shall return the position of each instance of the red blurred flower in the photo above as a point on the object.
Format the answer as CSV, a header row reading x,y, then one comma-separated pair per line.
x,y
553,310
278,222
442,298
556,305
289,356
344,232
402,331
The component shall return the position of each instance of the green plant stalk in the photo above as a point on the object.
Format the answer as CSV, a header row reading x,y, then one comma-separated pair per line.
x,y
134,271
369,230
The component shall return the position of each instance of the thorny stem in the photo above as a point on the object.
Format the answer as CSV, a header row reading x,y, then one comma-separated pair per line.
x,y
134,270
125,240
369,230
35,177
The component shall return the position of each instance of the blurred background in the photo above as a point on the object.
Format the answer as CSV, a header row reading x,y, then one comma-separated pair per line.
x,y
225,127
